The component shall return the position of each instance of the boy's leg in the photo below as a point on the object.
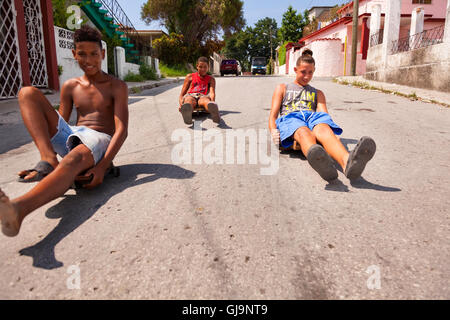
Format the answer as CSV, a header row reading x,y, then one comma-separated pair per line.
x,y
189,103
12,212
317,157
331,143
211,107
41,121
305,139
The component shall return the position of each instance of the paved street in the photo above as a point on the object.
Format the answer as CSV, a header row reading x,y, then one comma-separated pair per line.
x,y
166,230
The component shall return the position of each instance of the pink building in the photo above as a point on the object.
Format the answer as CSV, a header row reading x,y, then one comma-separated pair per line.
x,y
331,44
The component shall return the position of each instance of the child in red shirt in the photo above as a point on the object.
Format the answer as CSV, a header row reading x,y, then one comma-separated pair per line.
x,y
199,90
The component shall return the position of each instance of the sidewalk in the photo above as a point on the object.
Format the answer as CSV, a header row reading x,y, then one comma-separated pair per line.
x,y
8,106
432,96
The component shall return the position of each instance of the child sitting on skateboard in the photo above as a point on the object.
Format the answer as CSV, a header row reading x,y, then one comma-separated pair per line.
x,y
102,125
304,118
199,91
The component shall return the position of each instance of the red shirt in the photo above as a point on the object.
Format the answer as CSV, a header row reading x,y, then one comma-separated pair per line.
x,y
199,85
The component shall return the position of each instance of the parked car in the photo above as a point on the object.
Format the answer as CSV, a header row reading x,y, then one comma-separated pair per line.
x,y
259,65
230,66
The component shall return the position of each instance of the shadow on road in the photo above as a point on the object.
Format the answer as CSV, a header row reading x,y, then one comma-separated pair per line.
x,y
361,183
202,116
74,210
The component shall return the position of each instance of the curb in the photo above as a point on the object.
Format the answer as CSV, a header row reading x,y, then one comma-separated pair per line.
x,y
145,86
412,93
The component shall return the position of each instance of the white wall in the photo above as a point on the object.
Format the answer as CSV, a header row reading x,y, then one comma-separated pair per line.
x,y
123,67
427,67
64,56
328,57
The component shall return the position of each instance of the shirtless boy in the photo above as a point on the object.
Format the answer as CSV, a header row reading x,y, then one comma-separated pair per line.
x,y
304,118
199,89
102,125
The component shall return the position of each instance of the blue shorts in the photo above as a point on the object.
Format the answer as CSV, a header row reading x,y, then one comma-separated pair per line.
x,y
68,137
288,124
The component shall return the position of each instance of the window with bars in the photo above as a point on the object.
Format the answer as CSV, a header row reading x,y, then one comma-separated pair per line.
x,y
10,70
421,1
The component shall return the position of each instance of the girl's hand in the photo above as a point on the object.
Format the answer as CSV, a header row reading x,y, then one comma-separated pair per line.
x,y
275,136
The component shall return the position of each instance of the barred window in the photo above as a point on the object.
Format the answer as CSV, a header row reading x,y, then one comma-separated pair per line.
x,y
422,1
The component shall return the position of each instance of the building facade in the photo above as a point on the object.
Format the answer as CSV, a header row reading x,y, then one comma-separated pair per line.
x,y
27,46
331,44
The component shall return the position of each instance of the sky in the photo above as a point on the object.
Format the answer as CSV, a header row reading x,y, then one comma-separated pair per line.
x,y
253,10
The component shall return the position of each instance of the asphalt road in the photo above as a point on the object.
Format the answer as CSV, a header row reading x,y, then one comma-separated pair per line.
x,y
167,229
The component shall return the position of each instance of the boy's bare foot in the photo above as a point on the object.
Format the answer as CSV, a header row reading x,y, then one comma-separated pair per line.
x,y
214,111
8,216
358,158
186,111
321,161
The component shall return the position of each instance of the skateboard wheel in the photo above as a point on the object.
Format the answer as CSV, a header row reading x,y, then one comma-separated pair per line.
x,y
116,172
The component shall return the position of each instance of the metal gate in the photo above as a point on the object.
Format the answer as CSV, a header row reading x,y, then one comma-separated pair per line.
x,y
10,69
35,43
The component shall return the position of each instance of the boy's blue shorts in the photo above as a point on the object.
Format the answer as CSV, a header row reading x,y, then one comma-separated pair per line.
x,y
288,124
65,139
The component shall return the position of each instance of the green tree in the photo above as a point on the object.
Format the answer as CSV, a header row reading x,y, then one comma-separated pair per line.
x,y
60,15
253,42
197,20
292,25
237,47
263,38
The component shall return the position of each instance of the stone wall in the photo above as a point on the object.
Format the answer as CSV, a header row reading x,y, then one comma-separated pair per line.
x,y
427,68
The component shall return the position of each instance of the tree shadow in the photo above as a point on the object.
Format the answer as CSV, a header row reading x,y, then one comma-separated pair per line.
x,y
74,210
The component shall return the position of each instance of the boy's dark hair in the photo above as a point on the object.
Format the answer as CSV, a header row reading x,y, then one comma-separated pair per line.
x,y
86,33
306,57
203,59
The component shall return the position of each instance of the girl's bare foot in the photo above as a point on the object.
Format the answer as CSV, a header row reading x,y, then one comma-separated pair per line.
x,y
8,216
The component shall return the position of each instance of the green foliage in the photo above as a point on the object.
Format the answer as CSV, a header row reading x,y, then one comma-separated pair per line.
x,y
269,66
147,72
253,42
196,20
60,70
171,49
282,54
133,77
60,15
173,71
136,90
292,25
194,26
237,47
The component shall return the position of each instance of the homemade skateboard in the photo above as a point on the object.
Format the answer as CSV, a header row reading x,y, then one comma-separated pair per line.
x,y
81,180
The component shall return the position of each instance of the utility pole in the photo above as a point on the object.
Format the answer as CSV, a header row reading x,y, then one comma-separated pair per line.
x,y
354,34
271,62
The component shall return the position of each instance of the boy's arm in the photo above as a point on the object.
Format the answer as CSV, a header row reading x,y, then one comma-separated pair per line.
x,y
277,99
321,102
66,99
212,89
120,95
185,88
